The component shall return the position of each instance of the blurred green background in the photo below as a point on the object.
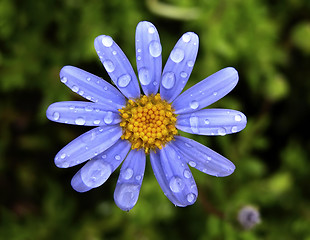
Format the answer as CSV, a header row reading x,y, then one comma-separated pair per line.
x,y
268,42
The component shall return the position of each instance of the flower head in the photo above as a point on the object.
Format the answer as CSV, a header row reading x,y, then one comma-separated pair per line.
x,y
130,125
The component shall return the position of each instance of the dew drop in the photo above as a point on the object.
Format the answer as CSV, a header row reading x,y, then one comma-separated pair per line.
x,y
80,121
183,74
126,195
104,156
56,116
65,165
97,122
176,184
238,118
62,156
207,121
194,104
190,197
139,58
151,30
193,121
88,79
124,80
109,66
127,174
186,37
96,174
214,93
234,129
155,48
192,164
75,88
63,79
114,53
108,118
168,80
117,157
190,63
88,108
144,76
188,145
221,131
177,55
107,41
187,173
138,177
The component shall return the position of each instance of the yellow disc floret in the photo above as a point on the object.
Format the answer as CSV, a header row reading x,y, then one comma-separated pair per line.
x,y
148,122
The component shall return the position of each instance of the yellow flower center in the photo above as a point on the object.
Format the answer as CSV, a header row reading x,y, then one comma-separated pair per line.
x,y
148,122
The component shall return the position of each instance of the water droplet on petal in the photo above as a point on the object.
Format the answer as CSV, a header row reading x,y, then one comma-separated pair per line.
x,y
194,104
63,79
56,116
190,197
126,195
103,156
109,66
62,156
139,58
190,63
75,88
168,80
183,74
238,118
177,55
88,79
155,48
207,121
193,121
186,37
138,177
176,184
234,129
80,121
88,108
117,157
114,52
127,174
214,93
221,131
192,164
124,80
108,118
107,41
151,30
96,174
188,145
144,76
96,122
187,173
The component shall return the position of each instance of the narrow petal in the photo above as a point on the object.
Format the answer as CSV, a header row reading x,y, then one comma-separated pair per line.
x,y
203,158
78,184
129,182
92,88
118,66
81,113
212,122
179,66
207,91
174,176
149,61
87,146
96,171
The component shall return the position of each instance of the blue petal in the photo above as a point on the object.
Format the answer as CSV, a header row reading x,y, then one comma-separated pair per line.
x,y
129,182
179,66
87,146
203,158
117,65
174,176
81,113
96,171
212,122
207,91
148,52
92,88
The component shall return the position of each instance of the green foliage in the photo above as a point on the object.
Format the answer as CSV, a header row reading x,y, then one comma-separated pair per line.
x,y
266,41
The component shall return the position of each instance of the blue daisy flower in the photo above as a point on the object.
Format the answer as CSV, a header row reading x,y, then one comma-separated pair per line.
x,y
129,125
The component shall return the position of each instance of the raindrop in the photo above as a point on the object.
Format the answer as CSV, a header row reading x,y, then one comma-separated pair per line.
x,y
114,52
71,107
139,58
117,157
104,156
168,80
183,74
194,104
190,63
88,109
155,48
124,80
177,55
234,129
109,66
151,30
107,41
108,118
63,79
96,174
80,121
187,173
65,165
56,116
62,156
192,164
188,145
176,184
96,122
186,37
88,79
105,88
144,76
193,121
238,118
190,197
214,93
221,131
138,177
127,174
207,121
126,195
75,88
